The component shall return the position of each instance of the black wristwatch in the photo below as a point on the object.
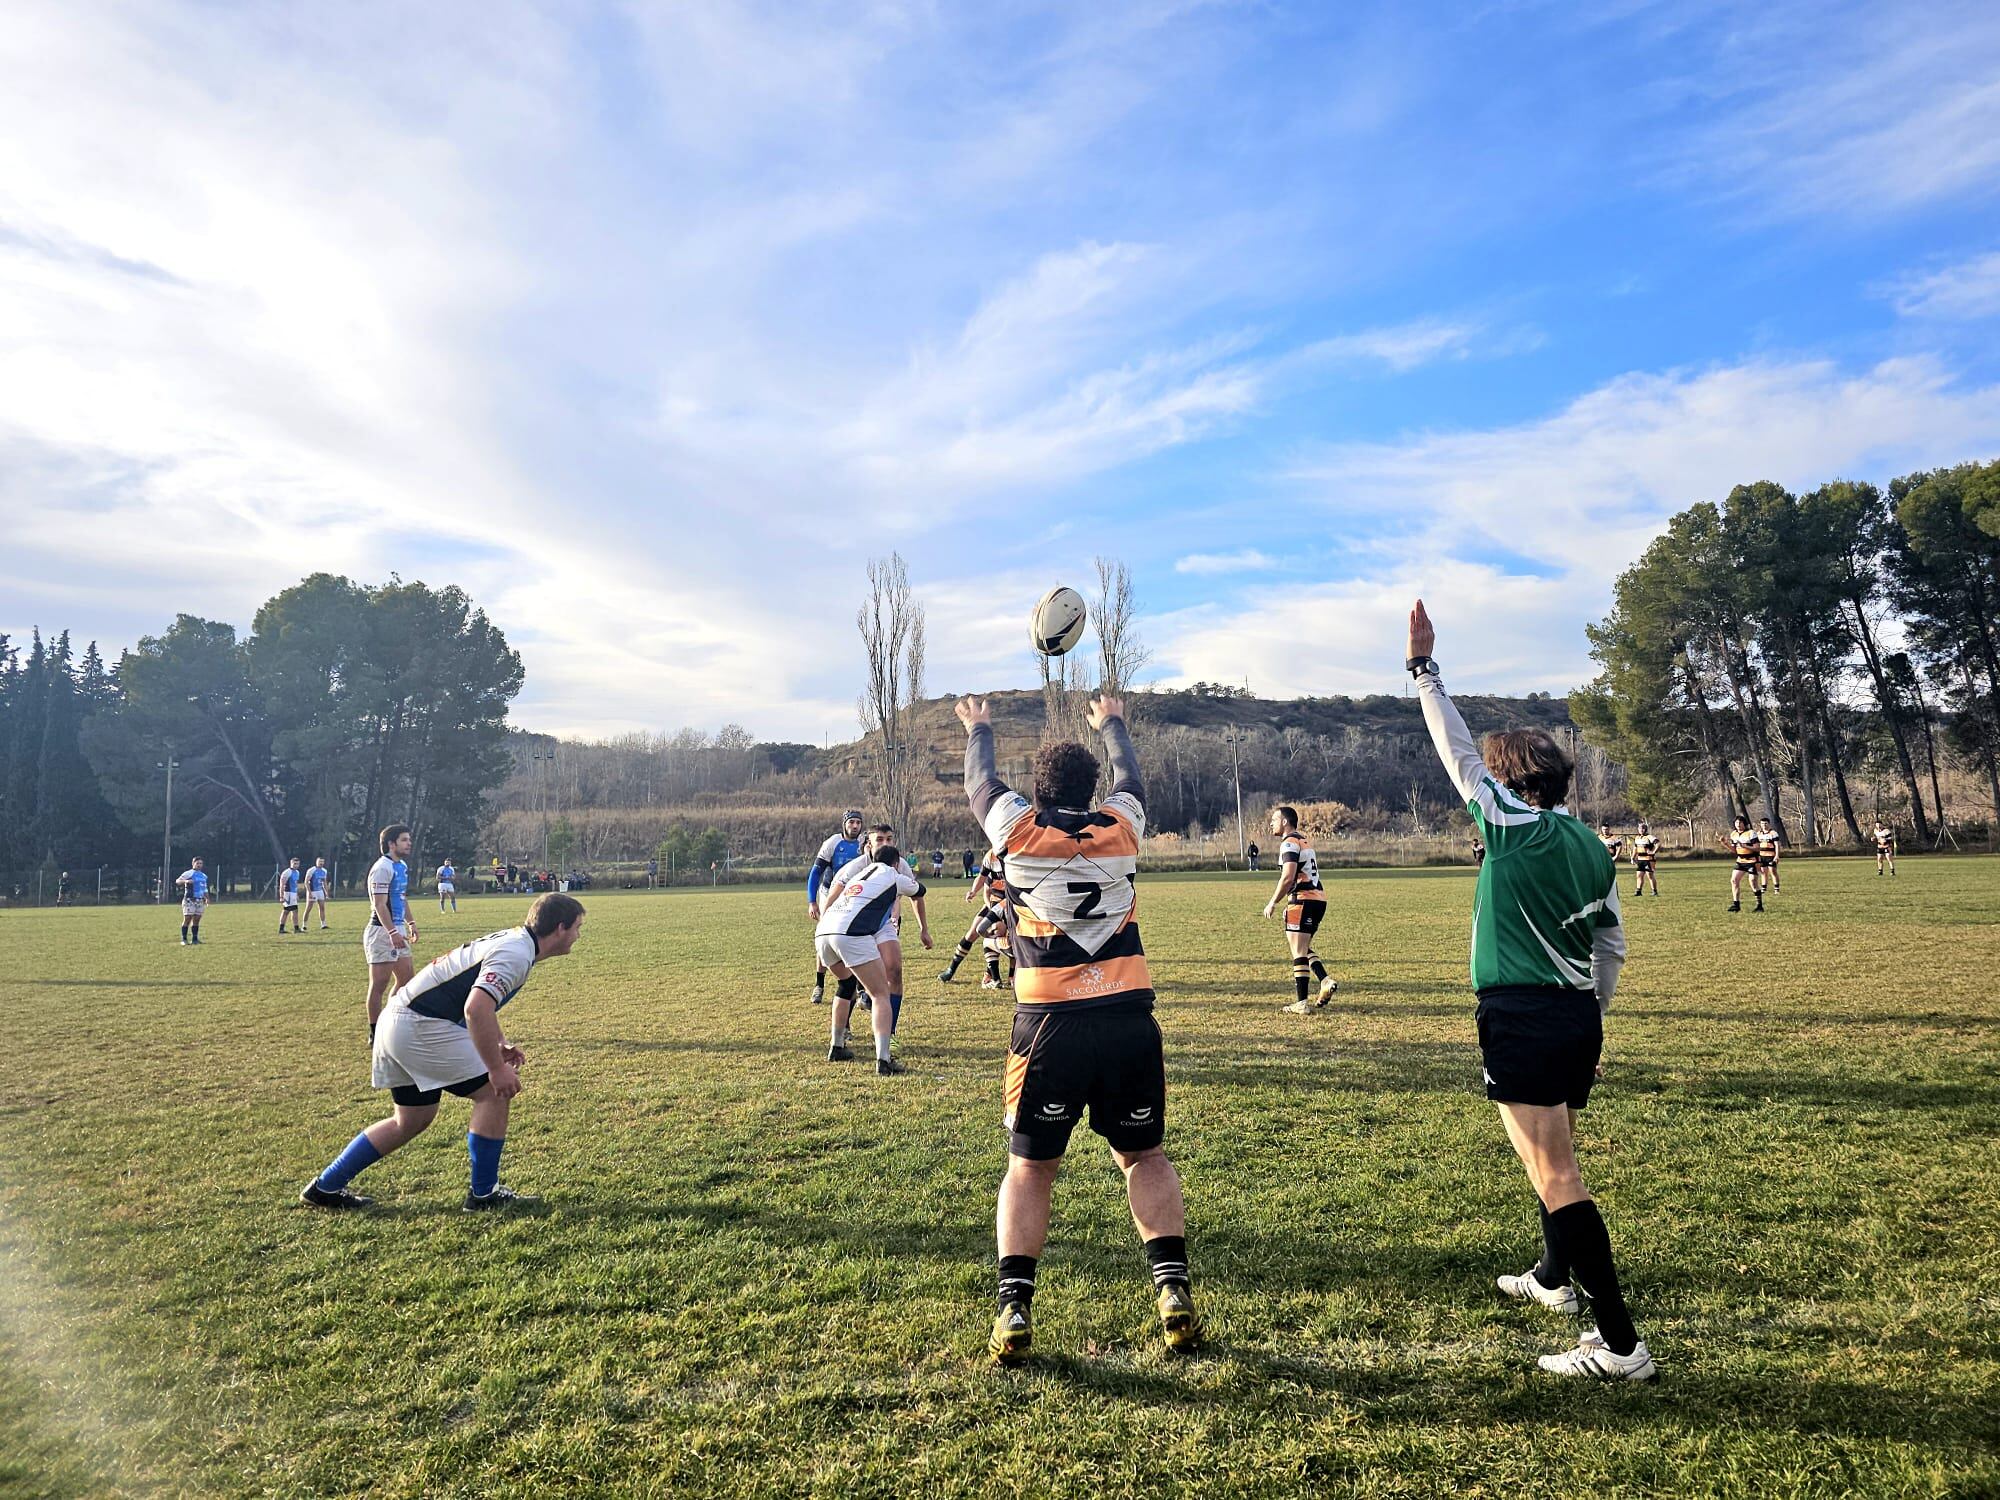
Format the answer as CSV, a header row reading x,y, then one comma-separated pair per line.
x,y
1421,666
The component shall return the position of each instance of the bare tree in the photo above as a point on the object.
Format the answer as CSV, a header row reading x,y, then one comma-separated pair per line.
x,y
1121,655
892,630
1065,696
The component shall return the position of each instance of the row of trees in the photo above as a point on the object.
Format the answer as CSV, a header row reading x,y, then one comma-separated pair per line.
x,y
1785,640
347,707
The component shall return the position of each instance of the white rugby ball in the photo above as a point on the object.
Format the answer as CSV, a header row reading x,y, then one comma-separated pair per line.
x,y
1058,621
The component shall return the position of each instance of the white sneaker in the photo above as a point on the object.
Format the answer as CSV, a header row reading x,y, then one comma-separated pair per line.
x,y
1595,1362
1299,1008
1560,1299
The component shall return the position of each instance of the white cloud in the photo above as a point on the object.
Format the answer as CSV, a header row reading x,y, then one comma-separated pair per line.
x,y
1516,534
1248,560
1861,110
1966,289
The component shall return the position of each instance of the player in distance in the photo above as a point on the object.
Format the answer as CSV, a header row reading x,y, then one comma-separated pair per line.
x,y
386,940
440,1034
1885,848
849,943
1743,849
447,879
1084,1036
1547,947
1768,846
1645,861
837,853
289,880
317,881
193,883
890,938
989,927
1304,900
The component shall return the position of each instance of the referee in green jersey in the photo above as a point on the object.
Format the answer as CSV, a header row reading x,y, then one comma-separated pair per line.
x,y
1546,950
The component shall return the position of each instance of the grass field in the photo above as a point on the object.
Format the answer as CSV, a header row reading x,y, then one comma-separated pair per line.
x,y
756,1271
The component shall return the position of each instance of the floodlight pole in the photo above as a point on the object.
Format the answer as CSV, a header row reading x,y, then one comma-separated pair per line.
x,y
167,834
1232,738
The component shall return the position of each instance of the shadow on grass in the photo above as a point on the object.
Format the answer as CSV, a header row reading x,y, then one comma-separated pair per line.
x,y
1957,1021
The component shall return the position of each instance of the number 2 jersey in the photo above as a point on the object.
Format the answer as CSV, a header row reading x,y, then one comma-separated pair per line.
x,y
1072,908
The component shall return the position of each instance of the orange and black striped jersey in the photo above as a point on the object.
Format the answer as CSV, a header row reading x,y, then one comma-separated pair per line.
x,y
993,870
1297,849
1767,845
1612,842
1072,906
1645,848
1744,846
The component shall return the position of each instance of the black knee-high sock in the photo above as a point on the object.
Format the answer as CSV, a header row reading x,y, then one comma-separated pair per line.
x,y
1301,976
1318,968
993,967
1167,1256
1017,1279
819,977
1552,1270
1581,1236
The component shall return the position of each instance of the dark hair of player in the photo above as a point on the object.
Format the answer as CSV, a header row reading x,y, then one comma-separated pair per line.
x,y
887,854
1289,814
1530,763
1743,820
881,828
1065,775
393,832
552,910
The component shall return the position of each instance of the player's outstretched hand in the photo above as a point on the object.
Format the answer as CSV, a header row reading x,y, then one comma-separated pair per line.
x,y
1104,708
1423,635
972,712
513,1056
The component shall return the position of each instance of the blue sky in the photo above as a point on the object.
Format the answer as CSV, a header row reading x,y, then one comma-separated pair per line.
x,y
650,324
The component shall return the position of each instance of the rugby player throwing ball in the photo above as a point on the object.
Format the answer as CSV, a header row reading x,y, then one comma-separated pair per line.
x,y
1546,950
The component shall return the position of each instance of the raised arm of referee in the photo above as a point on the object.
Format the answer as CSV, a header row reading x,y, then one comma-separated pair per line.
x,y
1547,947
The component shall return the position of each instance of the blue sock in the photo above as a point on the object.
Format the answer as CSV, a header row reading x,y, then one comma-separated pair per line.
x,y
895,1012
485,1151
347,1166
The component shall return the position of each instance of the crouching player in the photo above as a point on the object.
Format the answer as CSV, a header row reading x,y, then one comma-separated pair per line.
x,y
440,1034
1084,1034
848,942
1547,948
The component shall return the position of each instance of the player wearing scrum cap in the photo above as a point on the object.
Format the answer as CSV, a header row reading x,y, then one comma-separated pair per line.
x,y
1547,947
837,853
440,1034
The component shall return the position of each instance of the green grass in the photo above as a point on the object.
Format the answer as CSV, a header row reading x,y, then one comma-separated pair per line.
x,y
760,1272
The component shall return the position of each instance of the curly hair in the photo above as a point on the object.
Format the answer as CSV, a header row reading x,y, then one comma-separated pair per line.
x,y
1065,775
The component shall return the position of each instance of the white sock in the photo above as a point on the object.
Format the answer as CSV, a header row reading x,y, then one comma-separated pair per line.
x,y
882,1036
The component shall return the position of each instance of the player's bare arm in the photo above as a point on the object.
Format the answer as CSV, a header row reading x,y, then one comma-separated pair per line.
x,y
1288,876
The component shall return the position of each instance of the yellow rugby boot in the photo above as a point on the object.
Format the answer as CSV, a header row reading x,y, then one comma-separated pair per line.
x,y
1178,1320
1013,1334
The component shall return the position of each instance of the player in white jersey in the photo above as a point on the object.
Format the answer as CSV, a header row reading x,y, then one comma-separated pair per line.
x,y
1885,847
386,940
289,881
850,941
447,879
440,1034
1645,861
877,837
317,881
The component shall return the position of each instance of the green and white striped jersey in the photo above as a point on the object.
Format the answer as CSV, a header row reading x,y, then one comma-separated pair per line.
x,y
1546,909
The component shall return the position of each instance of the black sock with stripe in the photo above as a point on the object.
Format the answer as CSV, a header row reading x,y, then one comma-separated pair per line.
x,y
1318,968
1167,1255
1017,1279
993,967
1301,976
1582,1238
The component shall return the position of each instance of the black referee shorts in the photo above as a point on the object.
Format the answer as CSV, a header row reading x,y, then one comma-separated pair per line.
x,y
1539,1046
1109,1061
